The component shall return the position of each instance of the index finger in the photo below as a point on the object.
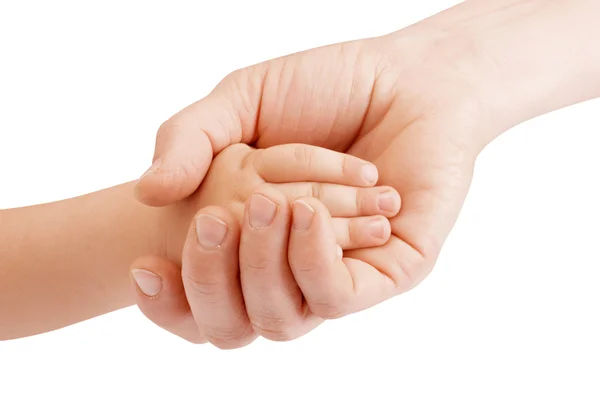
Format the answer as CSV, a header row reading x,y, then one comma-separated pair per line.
x,y
306,163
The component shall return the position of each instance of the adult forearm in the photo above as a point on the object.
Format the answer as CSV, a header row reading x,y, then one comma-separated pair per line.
x,y
67,261
542,55
504,61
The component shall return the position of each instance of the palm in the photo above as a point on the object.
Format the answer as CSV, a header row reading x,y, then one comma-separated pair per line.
x,y
392,115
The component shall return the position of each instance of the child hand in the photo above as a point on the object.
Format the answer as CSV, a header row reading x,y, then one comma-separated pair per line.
x,y
343,183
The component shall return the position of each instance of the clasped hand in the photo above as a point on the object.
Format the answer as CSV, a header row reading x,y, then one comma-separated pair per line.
x,y
418,119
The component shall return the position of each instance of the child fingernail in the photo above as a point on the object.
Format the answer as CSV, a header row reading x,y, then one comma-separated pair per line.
x,y
340,252
303,216
261,212
149,283
369,173
210,231
378,228
387,202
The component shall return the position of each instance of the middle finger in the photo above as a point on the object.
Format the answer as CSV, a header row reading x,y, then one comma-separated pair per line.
x,y
273,300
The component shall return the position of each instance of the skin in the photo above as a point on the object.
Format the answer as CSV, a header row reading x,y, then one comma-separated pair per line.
x,y
420,103
68,261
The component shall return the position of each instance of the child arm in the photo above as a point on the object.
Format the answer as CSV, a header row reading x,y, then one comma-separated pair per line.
x,y
68,261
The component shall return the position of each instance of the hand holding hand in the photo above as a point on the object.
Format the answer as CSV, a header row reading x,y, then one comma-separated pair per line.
x,y
420,104
250,195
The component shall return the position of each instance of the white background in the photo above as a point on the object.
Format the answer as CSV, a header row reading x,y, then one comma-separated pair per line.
x,y
511,308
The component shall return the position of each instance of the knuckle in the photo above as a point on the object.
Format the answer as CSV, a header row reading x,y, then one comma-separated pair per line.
x,y
170,128
165,320
304,267
275,334
274,328
170,321
359,201
354,231
259,265
166,128
409,271
345,167
317,191
209,288
227,338
332,307
240,86
306,189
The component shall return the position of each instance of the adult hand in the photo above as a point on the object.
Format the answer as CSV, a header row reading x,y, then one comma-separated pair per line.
x,y
385,100
419,103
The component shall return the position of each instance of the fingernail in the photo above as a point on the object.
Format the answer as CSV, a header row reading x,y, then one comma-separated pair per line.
x,y
303,216
149,283
153,168
210,231
377,228
340,253
369,173
262,211
387,202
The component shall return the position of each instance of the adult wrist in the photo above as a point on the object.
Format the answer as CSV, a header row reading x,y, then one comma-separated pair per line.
x,y
540,56
515,60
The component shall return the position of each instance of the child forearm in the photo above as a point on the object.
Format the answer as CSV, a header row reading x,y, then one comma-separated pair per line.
x,y
68,261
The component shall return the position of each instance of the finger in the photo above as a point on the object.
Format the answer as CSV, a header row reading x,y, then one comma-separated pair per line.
x,y
210,277
391,267
160,296
302,163
273,300
346,201
433,181
332,286
364,232
182,156
185,143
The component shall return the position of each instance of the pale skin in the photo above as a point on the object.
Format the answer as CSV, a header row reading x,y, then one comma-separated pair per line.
x,y
68,261
420,103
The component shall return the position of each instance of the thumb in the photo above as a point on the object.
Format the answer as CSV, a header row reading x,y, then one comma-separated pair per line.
x,y
186,143
161,297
